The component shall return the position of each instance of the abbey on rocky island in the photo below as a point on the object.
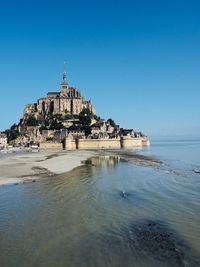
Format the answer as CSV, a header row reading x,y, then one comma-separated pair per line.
x,y
65,120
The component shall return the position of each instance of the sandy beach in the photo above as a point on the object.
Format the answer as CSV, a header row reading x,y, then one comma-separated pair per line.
x,y
26,167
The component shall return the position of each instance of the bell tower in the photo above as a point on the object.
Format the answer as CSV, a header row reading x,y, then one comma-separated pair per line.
x,y
64,84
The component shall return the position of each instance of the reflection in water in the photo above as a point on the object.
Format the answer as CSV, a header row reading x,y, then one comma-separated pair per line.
x,y
106,213
104,161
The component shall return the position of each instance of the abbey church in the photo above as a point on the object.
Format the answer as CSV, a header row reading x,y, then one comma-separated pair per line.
x,y
67,101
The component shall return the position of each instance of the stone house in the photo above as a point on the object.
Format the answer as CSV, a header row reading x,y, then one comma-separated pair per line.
x,y
3,140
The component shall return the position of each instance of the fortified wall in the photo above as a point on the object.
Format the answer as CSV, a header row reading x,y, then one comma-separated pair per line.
x,y
127,142
120,142
51,145
98,143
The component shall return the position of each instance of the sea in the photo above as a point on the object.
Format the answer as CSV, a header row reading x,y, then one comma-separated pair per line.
x,y
108,213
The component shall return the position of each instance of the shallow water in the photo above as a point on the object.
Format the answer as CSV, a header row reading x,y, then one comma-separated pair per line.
x,y
107,213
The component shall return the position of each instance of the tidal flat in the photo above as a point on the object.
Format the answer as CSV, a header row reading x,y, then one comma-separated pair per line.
x,y
106,212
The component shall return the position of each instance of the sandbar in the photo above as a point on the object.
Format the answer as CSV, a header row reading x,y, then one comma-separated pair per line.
x,y
28,167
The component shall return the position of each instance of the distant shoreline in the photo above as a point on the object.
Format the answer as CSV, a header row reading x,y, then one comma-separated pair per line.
x,y
28,167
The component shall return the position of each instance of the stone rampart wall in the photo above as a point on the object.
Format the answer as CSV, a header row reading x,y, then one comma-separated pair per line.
x,y
127,142
70,144
49,145
98,143
124,142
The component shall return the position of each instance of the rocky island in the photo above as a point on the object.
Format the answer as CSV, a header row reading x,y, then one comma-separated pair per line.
x,y
64,120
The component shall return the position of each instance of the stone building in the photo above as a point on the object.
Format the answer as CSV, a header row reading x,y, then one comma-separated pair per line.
x,y
67,101
103,129
3,140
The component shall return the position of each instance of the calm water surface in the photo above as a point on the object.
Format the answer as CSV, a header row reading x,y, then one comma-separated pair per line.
x,y
100,214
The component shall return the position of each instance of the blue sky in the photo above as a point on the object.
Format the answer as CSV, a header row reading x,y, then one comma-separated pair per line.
x,y
139,61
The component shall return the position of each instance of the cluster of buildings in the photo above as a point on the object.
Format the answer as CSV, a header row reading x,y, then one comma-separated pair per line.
x,y
64,108
102,135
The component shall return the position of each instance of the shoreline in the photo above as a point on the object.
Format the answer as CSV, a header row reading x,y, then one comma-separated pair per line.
x,y
28,167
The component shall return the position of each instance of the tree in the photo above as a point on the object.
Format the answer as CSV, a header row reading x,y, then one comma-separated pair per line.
x,y
32,121
12,133
97,118
112,123
58,117
13,127
85,117
46,123
86,112
56,125
87,130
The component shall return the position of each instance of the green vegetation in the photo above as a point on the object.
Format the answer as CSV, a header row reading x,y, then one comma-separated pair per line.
x,y
55,125
58,117
12,133
70,117
86,112
87,130
55,121
85,120
81,121
85,117
32,121
97,118
112,123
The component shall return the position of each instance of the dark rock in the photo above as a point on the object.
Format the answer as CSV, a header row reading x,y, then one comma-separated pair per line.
x,y
132,196
152,239
122,194
141,243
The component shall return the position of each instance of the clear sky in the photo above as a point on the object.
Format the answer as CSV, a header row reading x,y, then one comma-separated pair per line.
x,y
138,60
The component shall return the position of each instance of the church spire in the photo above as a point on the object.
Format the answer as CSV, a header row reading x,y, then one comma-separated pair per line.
x,y
64,74
64,84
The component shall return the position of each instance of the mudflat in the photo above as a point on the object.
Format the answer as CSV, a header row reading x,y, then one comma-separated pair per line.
x,y
24,167
27,167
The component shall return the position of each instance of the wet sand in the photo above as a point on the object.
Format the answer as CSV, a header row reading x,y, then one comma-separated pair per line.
x,y
27,167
